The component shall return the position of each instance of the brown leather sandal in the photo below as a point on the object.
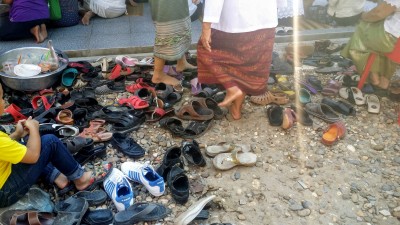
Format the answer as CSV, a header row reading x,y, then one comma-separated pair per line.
x,y
270,97
194,111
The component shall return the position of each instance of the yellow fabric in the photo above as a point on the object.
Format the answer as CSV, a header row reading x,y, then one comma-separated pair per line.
x,y
11,152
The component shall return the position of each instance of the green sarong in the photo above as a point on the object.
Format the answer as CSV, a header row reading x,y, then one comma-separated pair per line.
x,y
173,28
371,37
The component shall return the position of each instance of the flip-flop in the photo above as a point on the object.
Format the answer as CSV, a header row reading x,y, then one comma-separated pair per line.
x,y
191,213
226,161
68,77
373,103
141,212
223,147
70,211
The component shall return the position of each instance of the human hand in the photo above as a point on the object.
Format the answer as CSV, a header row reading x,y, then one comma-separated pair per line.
x,y
31,124
205,37
195,2
20,131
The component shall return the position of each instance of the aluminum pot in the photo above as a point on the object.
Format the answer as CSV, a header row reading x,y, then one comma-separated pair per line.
x,y
35,83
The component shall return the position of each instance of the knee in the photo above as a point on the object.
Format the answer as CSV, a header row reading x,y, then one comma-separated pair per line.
x,y
48,139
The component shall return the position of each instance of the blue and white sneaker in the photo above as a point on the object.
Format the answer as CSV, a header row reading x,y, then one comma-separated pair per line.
x,y
146,175
119,189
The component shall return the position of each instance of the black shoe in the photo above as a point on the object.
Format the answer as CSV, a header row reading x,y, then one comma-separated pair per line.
x,y
191,151
178,183
127,145
172,157
340,106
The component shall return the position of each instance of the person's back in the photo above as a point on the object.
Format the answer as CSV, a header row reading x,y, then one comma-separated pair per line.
x,y
28,10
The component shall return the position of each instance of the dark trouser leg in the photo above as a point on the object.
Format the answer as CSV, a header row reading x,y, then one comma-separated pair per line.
x,y
10,31
23,176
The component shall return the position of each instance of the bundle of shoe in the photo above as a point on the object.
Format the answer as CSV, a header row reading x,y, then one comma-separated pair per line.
x,y
171,168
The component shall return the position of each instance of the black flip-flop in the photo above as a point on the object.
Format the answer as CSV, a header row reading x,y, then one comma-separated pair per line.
x,y
82,157
94,198
70,211
141,212
127,145
98,216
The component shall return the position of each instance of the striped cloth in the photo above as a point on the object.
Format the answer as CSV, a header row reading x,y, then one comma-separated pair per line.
x,y
237,59
173,28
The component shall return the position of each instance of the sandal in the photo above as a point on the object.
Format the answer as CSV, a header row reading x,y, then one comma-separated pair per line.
x,y
68,77
86,155
135,101
270,97
373,104
223,147
210,103
117,71
163,90
196,129
174,125
139,84
226,161
322,111
16,217
289,118
65,117
194,111
15,114
155,114
331,89
126,61
333,133
275,115
353,95
76,144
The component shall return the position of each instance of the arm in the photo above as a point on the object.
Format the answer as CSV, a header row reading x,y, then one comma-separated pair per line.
x,y
9,2
33,146
380,12
212,14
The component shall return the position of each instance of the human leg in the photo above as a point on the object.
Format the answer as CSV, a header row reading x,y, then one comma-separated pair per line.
x,y
159,76
236,107
232,94
183,64
23,175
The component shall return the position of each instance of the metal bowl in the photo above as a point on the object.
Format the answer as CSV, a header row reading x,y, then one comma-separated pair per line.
x,y
35,83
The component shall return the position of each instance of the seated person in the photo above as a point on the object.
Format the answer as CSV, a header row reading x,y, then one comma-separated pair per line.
x,y
22,165
378,32
27,18
102,8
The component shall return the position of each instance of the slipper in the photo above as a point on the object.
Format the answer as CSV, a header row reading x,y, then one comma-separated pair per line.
x,y
331,89
171,71
172,157
85,155
333,133
289,118
94,198
322,111
353,95
68,77
226,161
195,86
141,212
174,125
117,71
275,115
157,113
313,80
115,87
98,217
373,103
194,111
126,61
76,144
147,61
16,217
100,136
135,101
91,104
65,117
70,211
163,90
302,116
223,147
210,103
304,96
15,114
341,107
207,92
191,213
60,130
196,129
308,86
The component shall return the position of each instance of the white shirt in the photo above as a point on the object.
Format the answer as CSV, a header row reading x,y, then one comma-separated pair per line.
x,y
345,8
392,22
192,7
238,16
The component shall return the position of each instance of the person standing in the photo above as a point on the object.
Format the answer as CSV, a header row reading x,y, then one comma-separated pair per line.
x,y
27,17
235,48
173,37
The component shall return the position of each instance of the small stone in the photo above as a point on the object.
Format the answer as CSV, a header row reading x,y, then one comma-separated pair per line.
x,y
378,147
304,212
241,217
218,175
397,209
310,164
205,174
242,201
321,211
295,207
236,175
354,198
306,204
385,212
351,148
360,213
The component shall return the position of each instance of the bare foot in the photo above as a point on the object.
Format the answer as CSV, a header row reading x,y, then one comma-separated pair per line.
x,y
384,83
232,94
161,77
182,65
61,181
236,108
84,181
374,78
86,18
43,31
36,33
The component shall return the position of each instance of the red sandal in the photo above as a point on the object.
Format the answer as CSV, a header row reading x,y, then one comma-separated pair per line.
x,y
16,113
117,71
134,101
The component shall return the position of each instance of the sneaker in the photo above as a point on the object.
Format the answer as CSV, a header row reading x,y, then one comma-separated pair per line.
x,y
119,189
146,175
